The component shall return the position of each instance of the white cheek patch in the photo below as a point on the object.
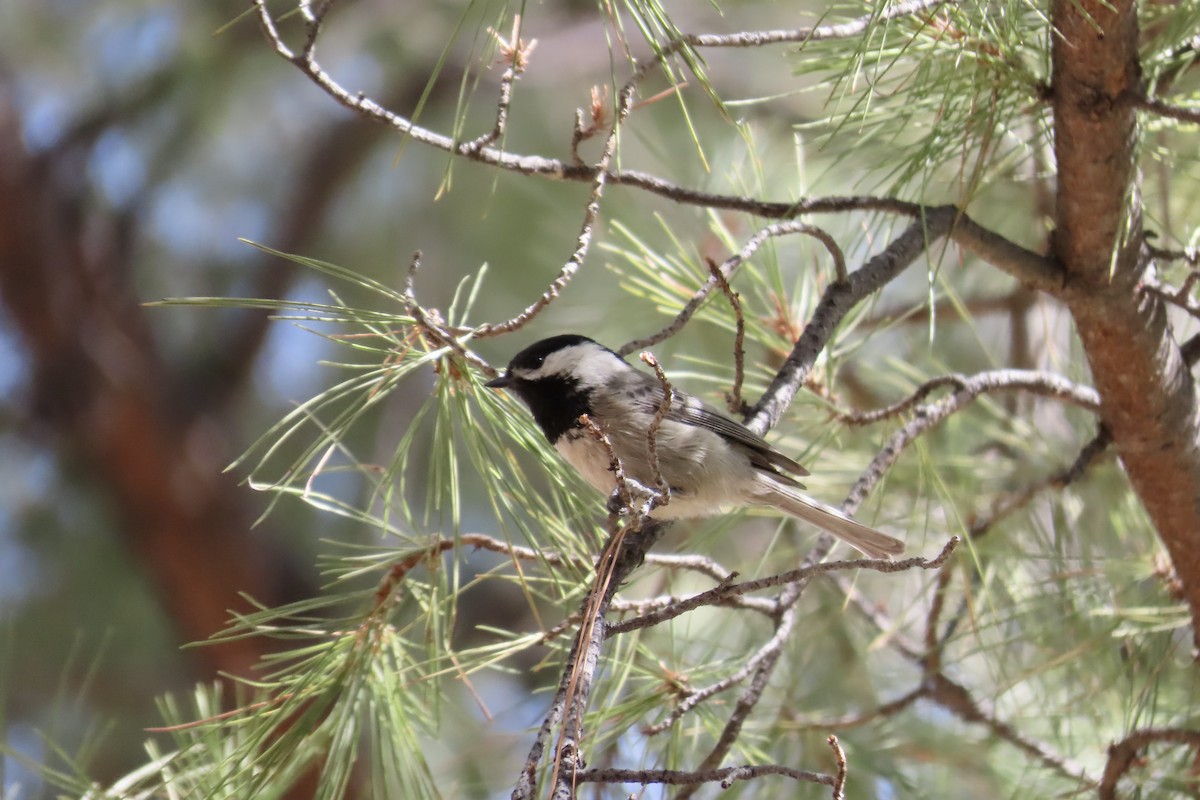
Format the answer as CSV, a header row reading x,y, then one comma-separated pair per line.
x,y
597,367
590,363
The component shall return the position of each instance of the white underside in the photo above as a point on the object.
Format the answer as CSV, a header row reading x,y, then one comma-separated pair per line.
x,y
708,477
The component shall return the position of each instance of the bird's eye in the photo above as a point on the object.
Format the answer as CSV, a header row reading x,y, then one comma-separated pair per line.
x,y
537,362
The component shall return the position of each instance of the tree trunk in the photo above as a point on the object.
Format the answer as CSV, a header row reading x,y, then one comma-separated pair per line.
x,y
1148,395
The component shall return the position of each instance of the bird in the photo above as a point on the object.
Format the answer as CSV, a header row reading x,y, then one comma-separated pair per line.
x,y
710,463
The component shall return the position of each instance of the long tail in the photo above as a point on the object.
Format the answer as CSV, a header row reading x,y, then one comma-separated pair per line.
x,y
828,518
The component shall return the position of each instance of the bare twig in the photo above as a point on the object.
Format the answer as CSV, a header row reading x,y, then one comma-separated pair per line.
x,y
956,698
967,389
694,562
719,595
1031,268
1127,752
838,299
1006,505
664,408
927,416
584,240
856,418
724,776
839,258
762,605
1165,109
480,541
626,488
1179,297
430,323
839,756
597,119
726,270
844,30
1191,255
739,337
888,709
515,51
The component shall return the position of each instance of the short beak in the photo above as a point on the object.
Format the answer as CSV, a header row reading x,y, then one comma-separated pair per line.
x,y
502,382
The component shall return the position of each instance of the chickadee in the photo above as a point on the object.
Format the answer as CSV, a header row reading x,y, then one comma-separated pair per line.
x,y
708,461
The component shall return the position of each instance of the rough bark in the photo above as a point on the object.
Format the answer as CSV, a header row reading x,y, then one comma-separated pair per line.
x,y
1148,395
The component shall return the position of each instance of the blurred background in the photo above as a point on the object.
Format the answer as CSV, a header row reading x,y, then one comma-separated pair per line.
x,y
138,142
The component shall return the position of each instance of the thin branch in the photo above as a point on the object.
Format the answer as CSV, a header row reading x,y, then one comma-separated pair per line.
x,y
1190,255
839,258
664,408
1165,109
748,699
1179,297
719,595
691,561
739,337
858,418
515,51
837,301
1046,384
762,605
844,30
956,698
726,776
768,651
430,323
888,709
584,240
839,757
725,271
1125,753
927,416
625,487
1004,506
1025,265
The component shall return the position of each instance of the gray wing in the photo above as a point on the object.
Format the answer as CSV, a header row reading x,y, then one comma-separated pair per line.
x,y
690,411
